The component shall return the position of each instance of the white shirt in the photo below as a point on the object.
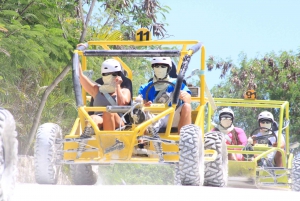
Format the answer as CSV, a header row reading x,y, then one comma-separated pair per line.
x,y
271,139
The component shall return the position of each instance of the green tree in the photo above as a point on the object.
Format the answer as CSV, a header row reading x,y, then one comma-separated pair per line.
x,y
36,42
273,77
35,50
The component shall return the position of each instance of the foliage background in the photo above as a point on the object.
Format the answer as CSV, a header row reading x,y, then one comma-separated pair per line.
x,y
37,38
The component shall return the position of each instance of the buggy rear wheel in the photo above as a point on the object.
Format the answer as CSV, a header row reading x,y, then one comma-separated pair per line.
x,y
190,169
83,174
8,154
296,174
47,153
216,172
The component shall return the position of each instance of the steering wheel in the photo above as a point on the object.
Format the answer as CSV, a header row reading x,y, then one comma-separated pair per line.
x,y
158,82
264,138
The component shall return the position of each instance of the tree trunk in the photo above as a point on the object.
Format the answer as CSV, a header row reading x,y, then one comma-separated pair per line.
x,y
38,114
57,80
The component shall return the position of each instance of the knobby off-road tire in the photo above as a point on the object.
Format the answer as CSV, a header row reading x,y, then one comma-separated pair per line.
x,y
216,172
295,175
190,169
83,174
8,154
47,153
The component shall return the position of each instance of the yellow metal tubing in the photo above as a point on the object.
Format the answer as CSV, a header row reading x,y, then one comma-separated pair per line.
x,y
83,116
276,102
144,43
181,58
75,127
154,119
210,155
170,120
265,154
287,130
290,160
260,150
200,118
124,65
208,118
136,130
202,77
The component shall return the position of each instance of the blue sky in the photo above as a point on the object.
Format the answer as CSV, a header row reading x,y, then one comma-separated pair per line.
x,y
230,27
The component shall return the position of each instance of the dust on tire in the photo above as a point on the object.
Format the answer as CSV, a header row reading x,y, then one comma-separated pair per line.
x,y
216,172
190,169
46,153
295,175
8,154
82,174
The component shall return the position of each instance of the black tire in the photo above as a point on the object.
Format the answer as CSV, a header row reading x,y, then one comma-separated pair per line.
x,y
295,175
190,169
83,174
8,154
177,175
216,172
47,153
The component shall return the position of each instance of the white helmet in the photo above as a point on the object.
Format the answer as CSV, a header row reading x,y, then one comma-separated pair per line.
x,y
266,116
226,111
161,60
110,65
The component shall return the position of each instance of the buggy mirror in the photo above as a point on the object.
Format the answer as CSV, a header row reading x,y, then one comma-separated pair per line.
x,y
294,145
88,73
286,124
208,94
193,73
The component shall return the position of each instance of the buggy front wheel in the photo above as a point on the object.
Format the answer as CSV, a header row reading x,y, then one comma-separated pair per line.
x,y
8,154
47,153
190,169
216,172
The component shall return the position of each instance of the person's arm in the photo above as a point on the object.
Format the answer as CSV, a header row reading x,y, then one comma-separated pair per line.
x,y
185,94
142,92
88,86
282,145
282,142
254,139
242,136
123,95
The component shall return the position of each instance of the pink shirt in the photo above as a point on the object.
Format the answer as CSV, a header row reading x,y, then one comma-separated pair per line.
x,y
242,140
241,136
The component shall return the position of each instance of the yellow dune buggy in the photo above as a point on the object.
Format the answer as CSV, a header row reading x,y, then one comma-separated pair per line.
x,y
195,157
254,170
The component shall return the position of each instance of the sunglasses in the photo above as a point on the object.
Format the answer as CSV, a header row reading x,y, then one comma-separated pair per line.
x,y
265,122
160,65
226,118
112,73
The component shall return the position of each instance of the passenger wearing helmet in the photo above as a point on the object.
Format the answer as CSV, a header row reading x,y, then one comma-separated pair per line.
x,y
110,93
266,122
160,93
233,135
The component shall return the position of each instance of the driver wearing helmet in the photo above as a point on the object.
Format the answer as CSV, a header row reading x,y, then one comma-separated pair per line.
x,y
161,93
233,135
266,122
110,93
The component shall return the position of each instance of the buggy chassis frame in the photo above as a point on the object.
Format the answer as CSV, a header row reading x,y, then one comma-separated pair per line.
x,y
108,147
248,171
